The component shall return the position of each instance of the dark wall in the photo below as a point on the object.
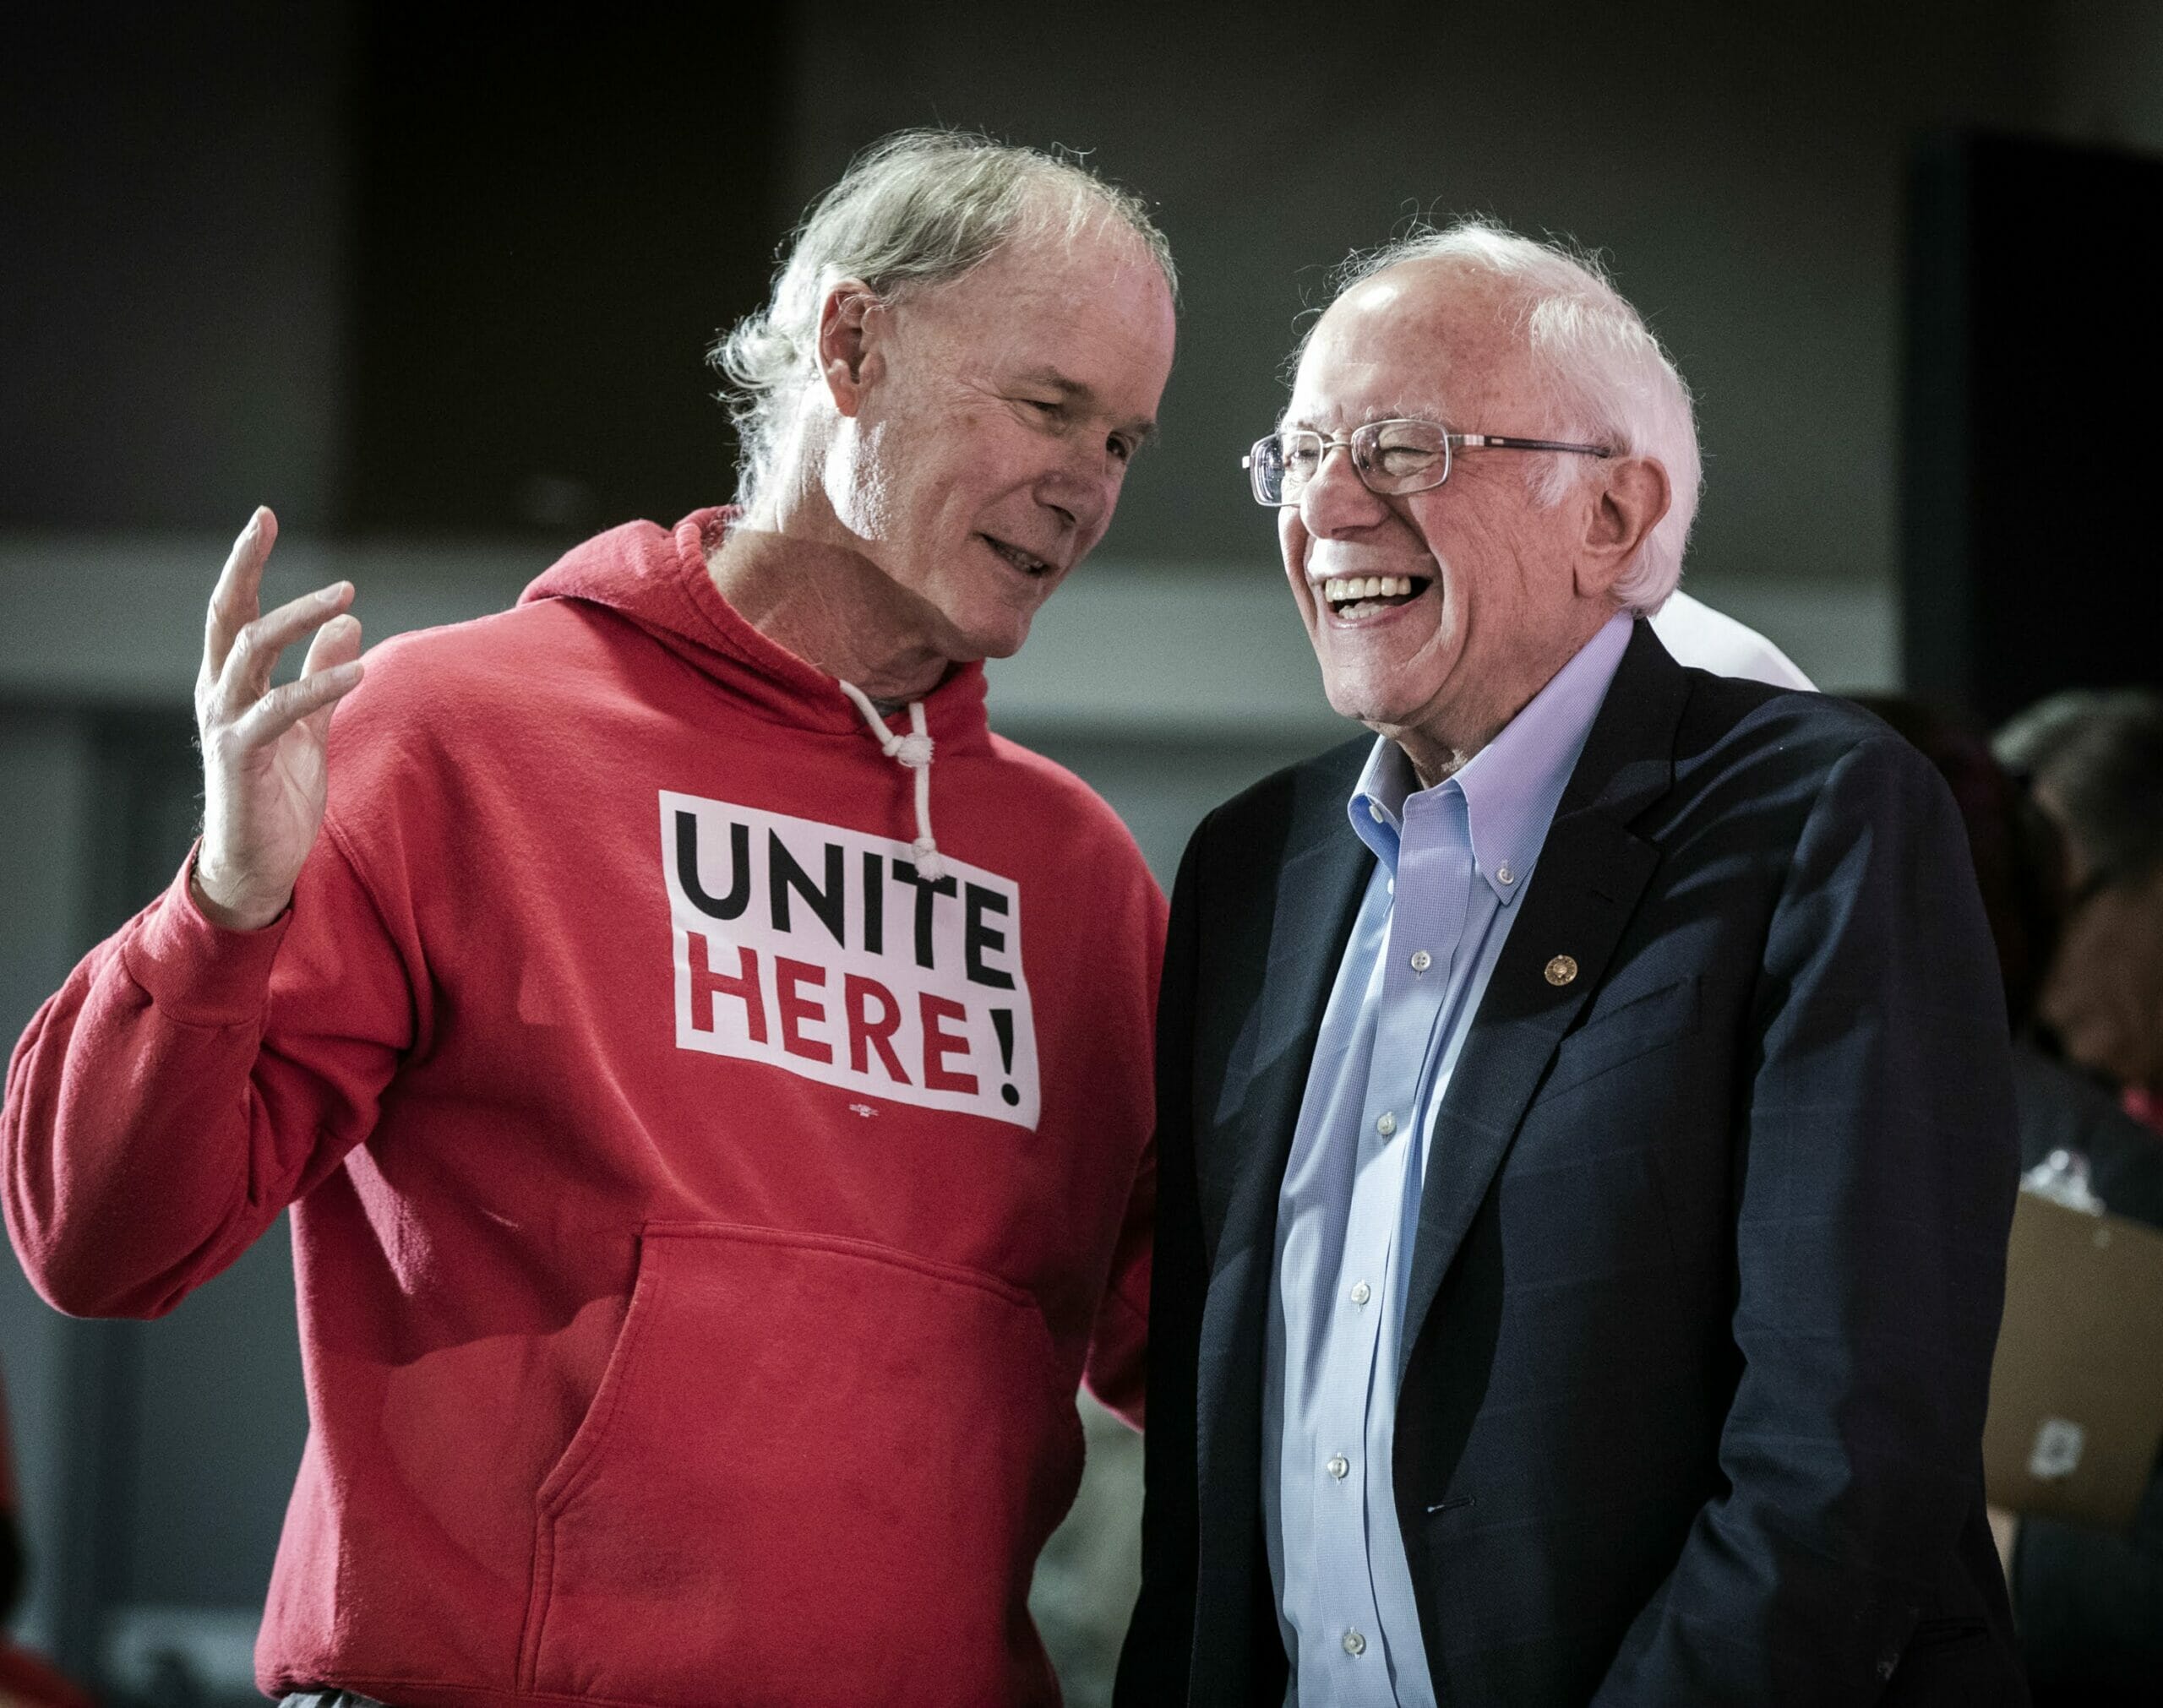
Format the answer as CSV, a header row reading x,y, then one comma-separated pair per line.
x,y
558,204
2034,358
173,244
389,274
1742,165
386,267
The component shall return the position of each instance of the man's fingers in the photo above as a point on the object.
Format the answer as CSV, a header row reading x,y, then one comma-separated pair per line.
x,y
254,651
337,642
234,600
281,708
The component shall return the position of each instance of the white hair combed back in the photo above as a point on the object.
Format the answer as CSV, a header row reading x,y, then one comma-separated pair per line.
x,y
1607,378
916,210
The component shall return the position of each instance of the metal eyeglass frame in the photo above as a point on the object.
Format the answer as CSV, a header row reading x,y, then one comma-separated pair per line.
x,y
1361,443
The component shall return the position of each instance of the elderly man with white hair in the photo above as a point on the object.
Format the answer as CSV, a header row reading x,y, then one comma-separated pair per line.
x,y
1585,1135
707,1069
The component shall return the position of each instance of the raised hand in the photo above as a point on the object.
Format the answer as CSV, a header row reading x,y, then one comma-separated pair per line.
x,y
264,771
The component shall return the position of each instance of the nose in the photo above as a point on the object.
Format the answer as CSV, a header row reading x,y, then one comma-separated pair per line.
x,y
1081,488
1336,501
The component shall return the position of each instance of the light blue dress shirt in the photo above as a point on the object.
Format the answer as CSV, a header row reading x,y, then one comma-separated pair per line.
x,y
1451,863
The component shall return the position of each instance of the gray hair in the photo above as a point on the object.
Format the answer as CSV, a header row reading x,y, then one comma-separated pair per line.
x,y
2098,754
1606,375
915,210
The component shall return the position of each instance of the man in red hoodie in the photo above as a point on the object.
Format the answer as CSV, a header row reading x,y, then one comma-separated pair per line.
x,y
709,1183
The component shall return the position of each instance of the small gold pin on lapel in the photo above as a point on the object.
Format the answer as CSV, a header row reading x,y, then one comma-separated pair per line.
x,y
1562,970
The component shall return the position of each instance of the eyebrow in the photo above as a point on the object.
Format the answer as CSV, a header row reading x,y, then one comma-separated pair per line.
x,y
1075,391
1397,411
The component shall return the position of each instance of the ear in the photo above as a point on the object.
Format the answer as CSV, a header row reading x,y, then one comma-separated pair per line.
x,y
851,320
1630,497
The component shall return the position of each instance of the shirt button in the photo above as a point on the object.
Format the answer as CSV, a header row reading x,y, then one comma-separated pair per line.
x,y
1386,1125
1354,1644
1340,1467
1421,960
1504,875
1361,1292
1375,811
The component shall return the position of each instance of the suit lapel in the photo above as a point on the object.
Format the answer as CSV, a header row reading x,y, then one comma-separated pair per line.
x,y
1318,894
1320,880
1592,871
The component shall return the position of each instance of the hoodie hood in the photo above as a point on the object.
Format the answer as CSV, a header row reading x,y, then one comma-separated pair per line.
x,y
658,578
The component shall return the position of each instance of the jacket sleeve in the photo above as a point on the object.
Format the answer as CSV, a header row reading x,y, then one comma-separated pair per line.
x,y
187,1082
1875,1173
1153,1665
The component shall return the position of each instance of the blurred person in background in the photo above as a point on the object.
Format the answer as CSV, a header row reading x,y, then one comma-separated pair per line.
x,y
2087,1604
2095,760
710,1185
1585,1144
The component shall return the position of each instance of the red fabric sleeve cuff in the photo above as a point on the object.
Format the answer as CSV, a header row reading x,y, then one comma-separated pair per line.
x,y
197,972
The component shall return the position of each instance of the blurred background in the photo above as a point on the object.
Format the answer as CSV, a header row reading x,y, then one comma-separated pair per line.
x,y
436,284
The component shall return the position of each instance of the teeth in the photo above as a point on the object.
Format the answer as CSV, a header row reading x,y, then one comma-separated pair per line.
x,y
1339,588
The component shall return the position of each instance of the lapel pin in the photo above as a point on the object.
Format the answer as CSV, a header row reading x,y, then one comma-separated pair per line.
x,y
1562,970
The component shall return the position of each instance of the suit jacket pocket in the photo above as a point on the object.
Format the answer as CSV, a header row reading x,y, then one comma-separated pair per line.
x,y
1613,1035
815,1468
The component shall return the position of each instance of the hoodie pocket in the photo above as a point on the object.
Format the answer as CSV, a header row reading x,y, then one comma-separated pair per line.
x,y
815,1469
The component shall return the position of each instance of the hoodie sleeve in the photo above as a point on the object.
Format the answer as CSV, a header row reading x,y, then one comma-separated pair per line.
x,y
187,1082
1119,1346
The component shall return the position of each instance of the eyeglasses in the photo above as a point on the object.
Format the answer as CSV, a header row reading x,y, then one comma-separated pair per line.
x,y
1389,457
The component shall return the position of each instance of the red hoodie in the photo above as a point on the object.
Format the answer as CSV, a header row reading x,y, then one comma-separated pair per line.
x,y
701,1218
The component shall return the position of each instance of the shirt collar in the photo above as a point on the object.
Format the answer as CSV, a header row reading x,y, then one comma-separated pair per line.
x,y
1510,787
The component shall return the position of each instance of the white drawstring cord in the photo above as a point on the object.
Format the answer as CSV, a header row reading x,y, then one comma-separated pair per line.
x,y
913,750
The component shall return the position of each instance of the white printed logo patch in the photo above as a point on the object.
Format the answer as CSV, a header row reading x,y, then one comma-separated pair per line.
x,y
824,952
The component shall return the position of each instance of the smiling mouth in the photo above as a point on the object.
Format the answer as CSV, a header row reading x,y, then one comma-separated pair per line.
x,y
1353,596
1026,563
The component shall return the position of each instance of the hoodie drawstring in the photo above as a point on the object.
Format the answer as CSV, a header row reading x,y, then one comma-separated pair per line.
x,y
913,750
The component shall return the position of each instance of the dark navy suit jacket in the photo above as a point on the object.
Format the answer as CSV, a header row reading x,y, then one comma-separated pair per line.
x,y
1711,1248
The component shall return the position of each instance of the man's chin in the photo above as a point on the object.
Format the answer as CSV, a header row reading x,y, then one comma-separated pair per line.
x,y
995,640
1366,703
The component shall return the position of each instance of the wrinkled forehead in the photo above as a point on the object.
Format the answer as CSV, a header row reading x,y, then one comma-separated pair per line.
x,y
1072,267
1097,283
1412,340
1089,321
